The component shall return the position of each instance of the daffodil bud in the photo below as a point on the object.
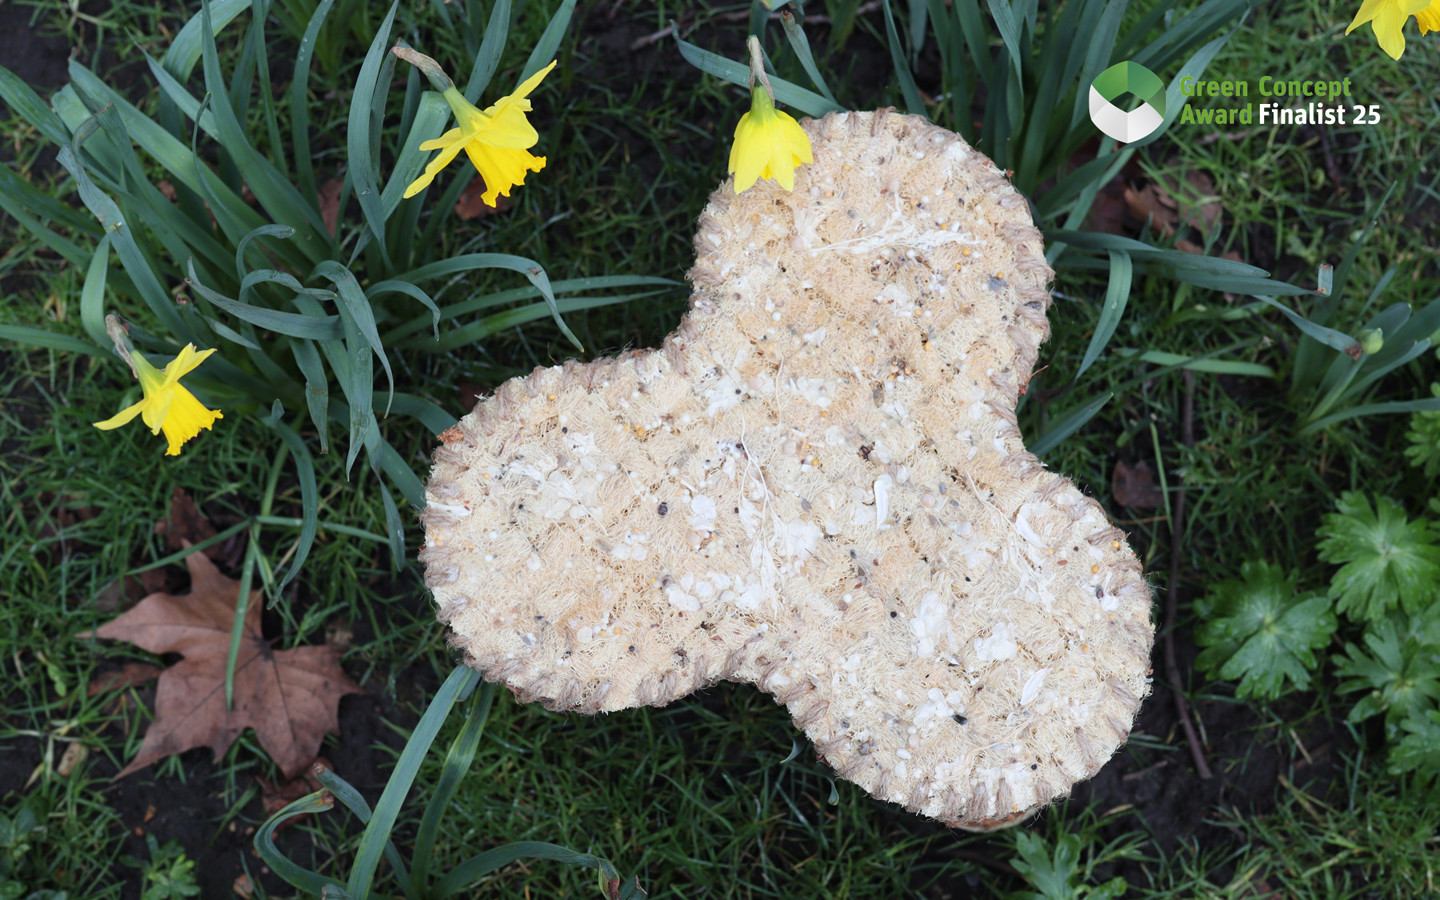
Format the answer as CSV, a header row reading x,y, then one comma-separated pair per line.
x,y
1371,340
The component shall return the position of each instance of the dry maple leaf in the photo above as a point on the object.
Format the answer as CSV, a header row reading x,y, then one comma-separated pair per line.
x,y
288,696
472,205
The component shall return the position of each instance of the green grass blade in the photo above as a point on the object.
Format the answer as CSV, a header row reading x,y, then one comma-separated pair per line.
x,y
354,801
1200,364
43,337
300,104
187,47
477,331
313,328
488,59
549,43
394,527
1067,426
977,41
800,45
435,419
280,198
387,810
356,312
402,476
242,608
317,388
1006,24
22,99
409,290
808,102
284,232
1431,404
475,868
457,763
360,136
92,295
1117,294
1337,340
135,263
309,495
267,92
527,267
430,120
288,872
487,300
913,101
1096,240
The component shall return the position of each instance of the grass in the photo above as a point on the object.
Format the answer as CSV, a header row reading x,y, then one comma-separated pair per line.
x,y
713,796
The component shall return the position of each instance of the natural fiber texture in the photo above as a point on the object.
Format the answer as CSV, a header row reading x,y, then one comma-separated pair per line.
x,y
815,486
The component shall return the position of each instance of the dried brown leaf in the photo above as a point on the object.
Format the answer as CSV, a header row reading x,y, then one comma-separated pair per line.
x,y
472,205
184,524
275,796
1134,486
289,697
132,673
330,204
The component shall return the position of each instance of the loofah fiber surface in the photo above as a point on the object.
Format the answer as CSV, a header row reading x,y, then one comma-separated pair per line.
x,y
816,486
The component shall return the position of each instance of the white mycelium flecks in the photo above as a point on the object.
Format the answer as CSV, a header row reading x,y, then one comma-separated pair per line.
x,y
1000,645
815,486
931,625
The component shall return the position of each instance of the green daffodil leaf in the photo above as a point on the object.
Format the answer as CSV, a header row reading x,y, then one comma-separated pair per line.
x,y
1260,633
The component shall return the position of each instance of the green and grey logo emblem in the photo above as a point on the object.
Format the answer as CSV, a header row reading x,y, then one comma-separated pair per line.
x,y
1131,78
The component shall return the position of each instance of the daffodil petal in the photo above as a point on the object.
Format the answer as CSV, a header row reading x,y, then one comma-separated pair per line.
x,y
510,129
122,417
749,157
799,141
158,408
185,363
441,160
452,136
1368,10
532,82
1387,25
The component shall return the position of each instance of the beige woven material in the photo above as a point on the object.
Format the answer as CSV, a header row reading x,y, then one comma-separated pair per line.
x,y
815,486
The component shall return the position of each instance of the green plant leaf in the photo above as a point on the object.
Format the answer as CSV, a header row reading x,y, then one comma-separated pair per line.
x,y
1424,438
808,102
1051,875
1401,676
1419,749
1259,631
1117,293
1387,559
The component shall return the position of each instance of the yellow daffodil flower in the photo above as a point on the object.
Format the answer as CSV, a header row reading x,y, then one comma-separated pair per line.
x,y
1387,20
167,404
768,143
1429,18
496,140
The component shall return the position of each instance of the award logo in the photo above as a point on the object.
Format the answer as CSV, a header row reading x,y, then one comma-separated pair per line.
x,y
1127,78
